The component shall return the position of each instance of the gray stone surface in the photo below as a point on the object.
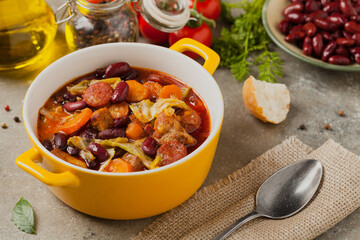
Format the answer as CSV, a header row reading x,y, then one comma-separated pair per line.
x,y
316,97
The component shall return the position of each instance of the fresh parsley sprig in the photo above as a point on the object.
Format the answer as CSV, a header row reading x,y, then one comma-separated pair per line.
x,y
247,37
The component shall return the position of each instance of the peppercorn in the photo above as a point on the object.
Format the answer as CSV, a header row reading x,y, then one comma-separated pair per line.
x,y
327,126
341,113
302,127
7,108
4,126
17,119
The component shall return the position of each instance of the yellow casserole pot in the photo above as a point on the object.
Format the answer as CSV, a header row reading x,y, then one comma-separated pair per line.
x,y
125,195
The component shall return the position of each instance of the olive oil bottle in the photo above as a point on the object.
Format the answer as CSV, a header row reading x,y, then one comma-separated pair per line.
x,y
27,28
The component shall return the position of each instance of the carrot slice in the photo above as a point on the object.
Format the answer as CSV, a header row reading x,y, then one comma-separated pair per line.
x,y
76,121
137,91
170,90
119,165
134,131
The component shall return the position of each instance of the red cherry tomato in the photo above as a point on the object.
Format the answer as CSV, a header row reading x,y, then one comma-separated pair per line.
x,y
209,8
152,34
201,34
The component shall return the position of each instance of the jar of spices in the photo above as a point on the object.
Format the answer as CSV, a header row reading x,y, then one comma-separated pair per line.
x,y
92,22
97,23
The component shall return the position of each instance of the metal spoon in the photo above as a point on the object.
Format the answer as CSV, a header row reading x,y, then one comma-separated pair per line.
x,y
284,193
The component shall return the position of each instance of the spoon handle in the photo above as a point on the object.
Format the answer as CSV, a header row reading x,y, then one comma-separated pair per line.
x,y
237,224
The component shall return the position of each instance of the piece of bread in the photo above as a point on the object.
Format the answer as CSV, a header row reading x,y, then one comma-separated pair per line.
x,y
268,102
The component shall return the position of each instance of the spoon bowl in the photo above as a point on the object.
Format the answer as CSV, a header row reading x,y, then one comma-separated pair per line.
x,y
287,191
284,193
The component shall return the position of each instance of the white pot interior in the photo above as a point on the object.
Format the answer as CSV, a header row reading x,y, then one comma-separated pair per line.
x,y
136,54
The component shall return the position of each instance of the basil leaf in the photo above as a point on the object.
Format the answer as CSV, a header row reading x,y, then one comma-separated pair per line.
x,y
23,216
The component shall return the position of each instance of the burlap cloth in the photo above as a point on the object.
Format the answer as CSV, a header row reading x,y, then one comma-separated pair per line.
x,y
212,209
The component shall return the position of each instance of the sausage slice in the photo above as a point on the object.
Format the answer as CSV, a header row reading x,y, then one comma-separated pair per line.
x,y
171,152
98,94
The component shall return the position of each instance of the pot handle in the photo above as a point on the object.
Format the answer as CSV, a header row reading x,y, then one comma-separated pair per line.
x,y
211,58
26,162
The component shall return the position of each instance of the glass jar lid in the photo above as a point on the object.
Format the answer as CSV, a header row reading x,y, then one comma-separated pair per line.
x,y
165,15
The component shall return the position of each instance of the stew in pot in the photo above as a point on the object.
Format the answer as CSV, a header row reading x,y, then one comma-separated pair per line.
x,y
123,119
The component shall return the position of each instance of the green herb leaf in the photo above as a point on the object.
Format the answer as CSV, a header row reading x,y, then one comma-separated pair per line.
x,y
23,216
245,38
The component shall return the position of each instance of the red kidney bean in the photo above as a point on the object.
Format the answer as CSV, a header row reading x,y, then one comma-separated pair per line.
x,y
119,69
324,24
112,133
324,2
355,18
99,152
132,75
346,8
100,73
357,58
337,18
89,134
352,27
120,122
312,6
331,7
73,151
357,7
297,28
149,129
336,34
120,93
294,7
47,144
94,165
307,46
327,36
347,42
328,51
295,17
339,60
68,97
73,106
346,34
341,50
356,53
284,26
149,146
318,44
310,29
60,141
316,14
355,50
295,37
356,37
